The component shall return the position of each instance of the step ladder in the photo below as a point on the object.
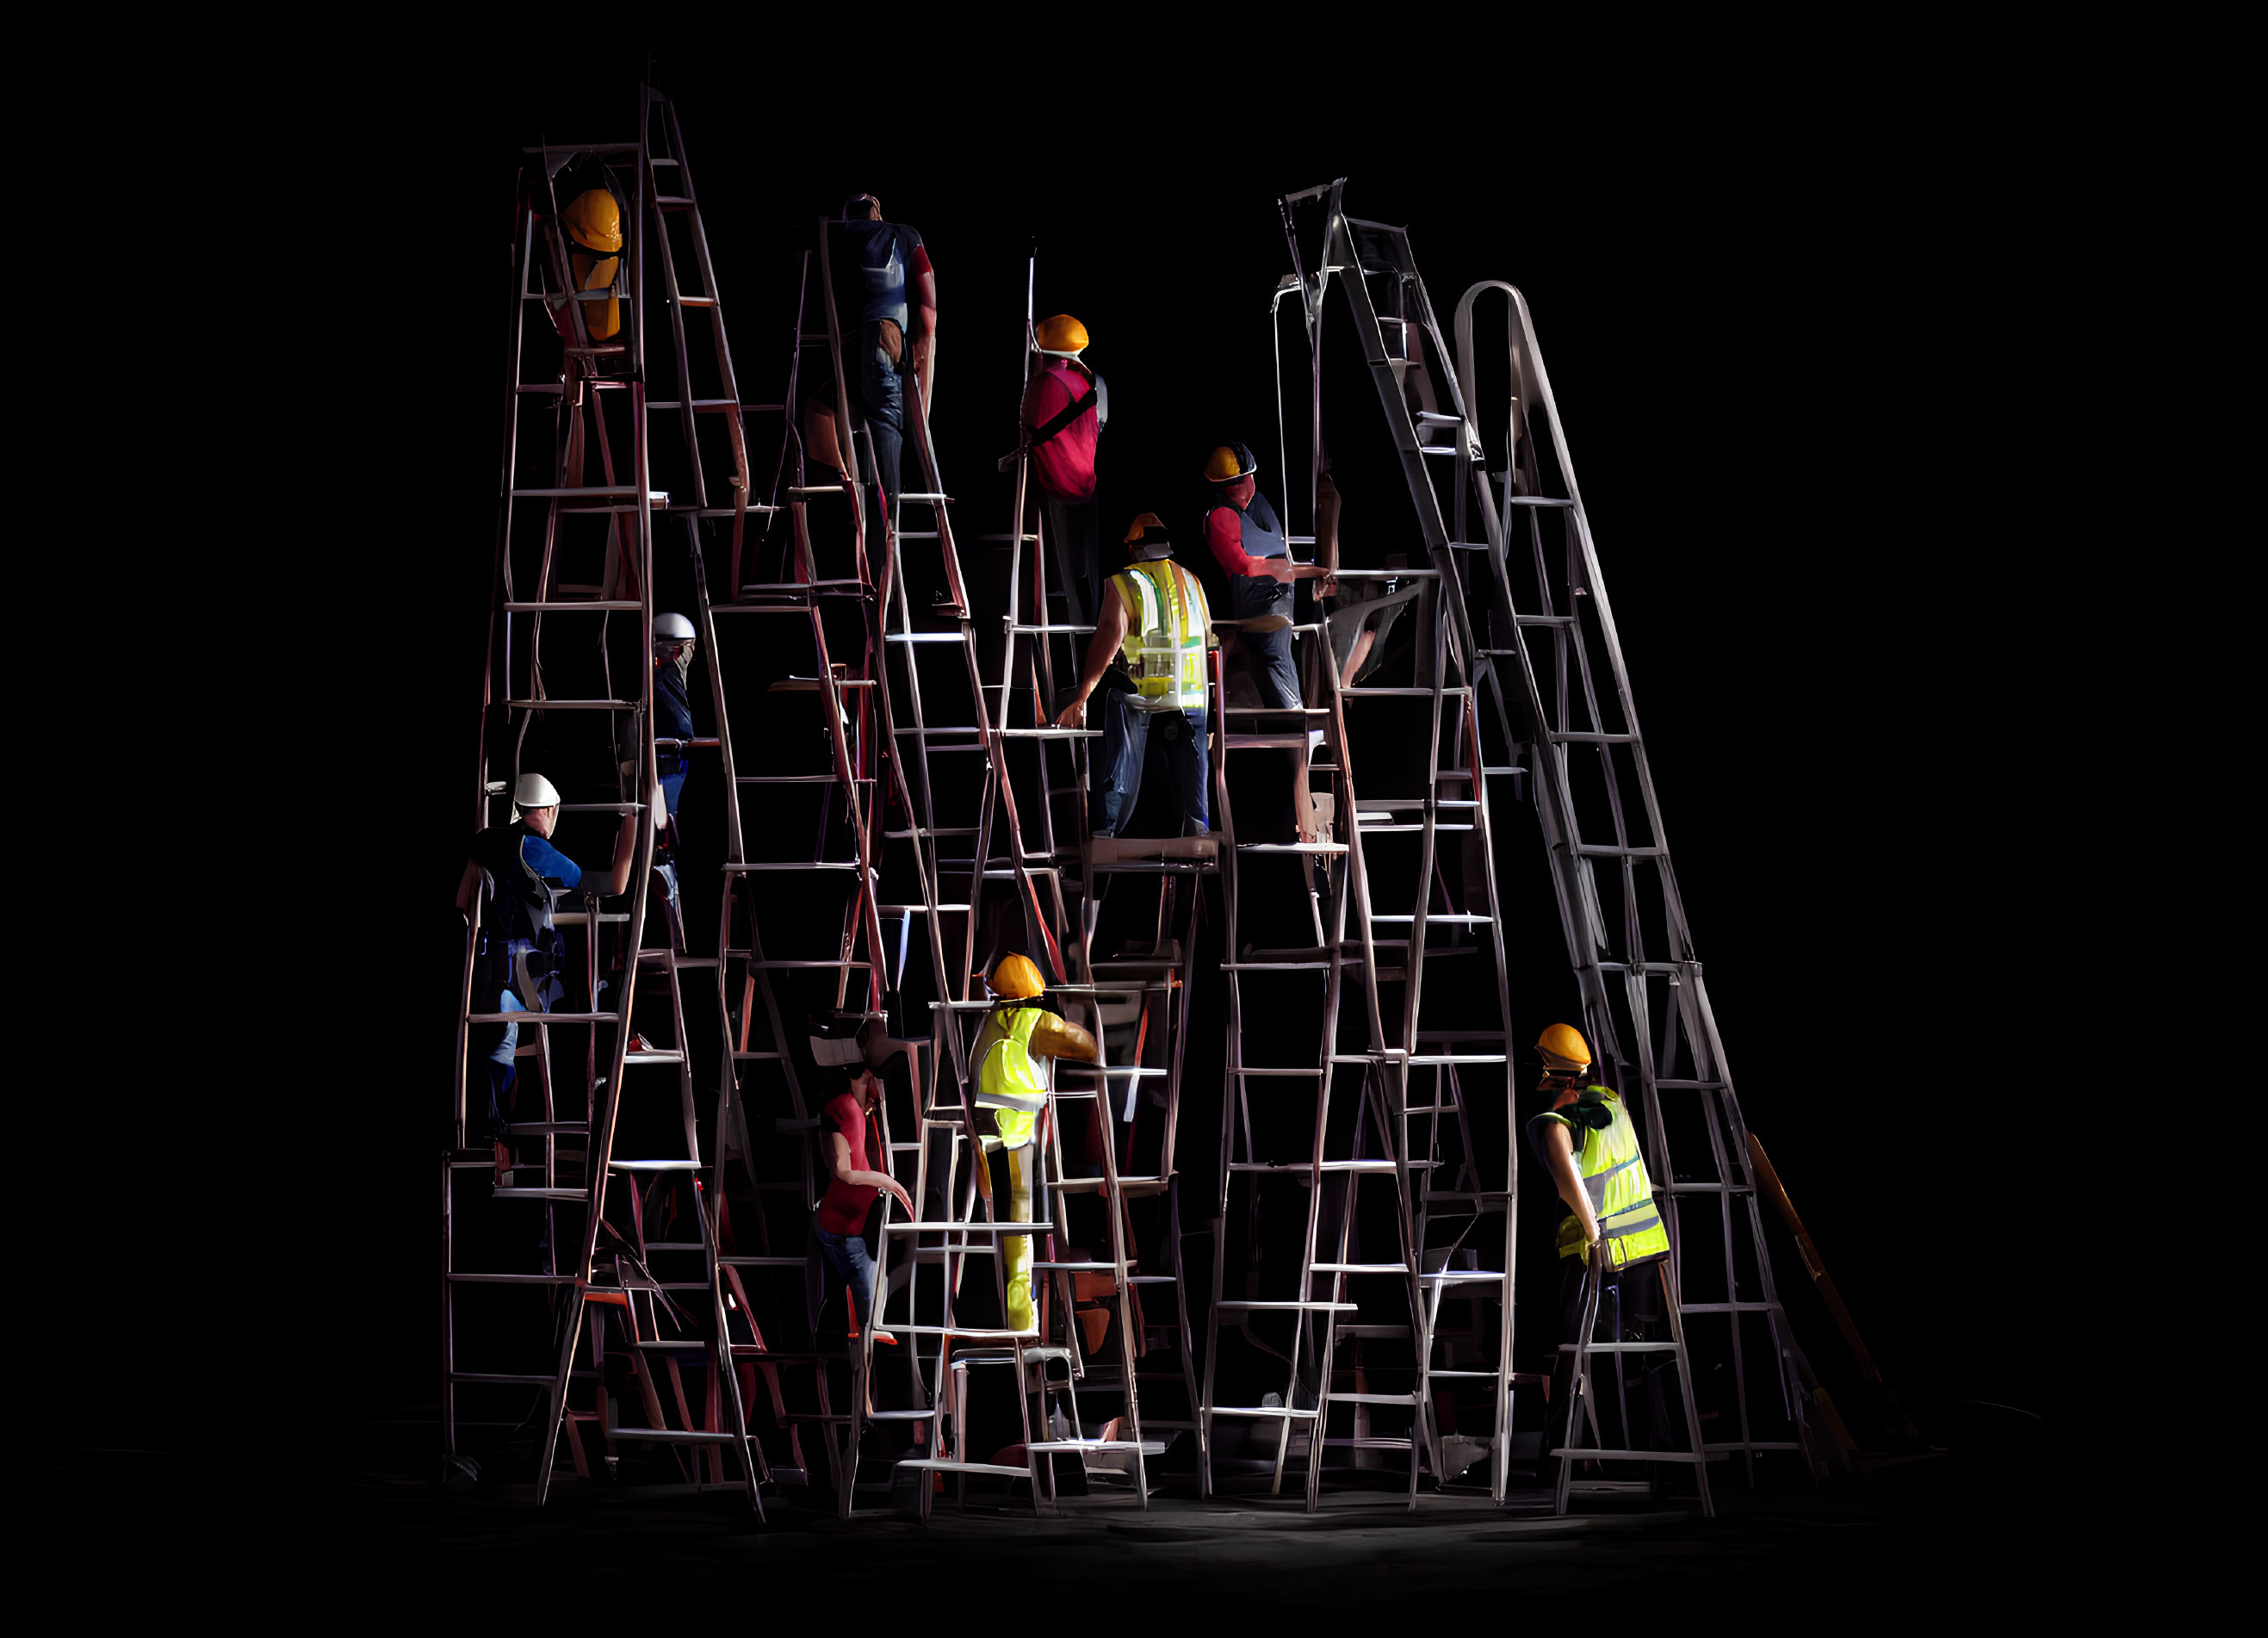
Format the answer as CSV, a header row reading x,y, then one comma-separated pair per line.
x,y
1545,654
658,1293
1126,1109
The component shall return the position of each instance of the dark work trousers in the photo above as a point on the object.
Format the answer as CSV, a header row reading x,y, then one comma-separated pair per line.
x,y
845,1255
1630,1311
1127,732
1075,527
878,393
1267,654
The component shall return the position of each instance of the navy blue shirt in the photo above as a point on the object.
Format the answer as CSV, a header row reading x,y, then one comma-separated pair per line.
x,y
874,263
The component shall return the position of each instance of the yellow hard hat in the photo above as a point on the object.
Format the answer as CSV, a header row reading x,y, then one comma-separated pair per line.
x,y
1063,333
1016,978
1563,1048
1148,538
1229,462
593,219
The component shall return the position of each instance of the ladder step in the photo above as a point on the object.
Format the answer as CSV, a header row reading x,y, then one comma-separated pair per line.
x,y
595,605
1361,1268
1464,1276
653,1058
1636,1455
1592,738
1291,1307
1257,1410
543,1128
1626,1347
571,704
654,1166
1303,1166
1269,711
1400,693
1602,851
921,637
672,1436
930,1464
541,1194
1305,847
1265,741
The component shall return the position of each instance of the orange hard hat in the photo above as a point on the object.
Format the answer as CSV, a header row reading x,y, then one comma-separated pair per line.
x,y
1563,1049
1015,978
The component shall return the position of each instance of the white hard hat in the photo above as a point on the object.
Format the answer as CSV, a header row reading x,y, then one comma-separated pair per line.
x,y
533,791
672,628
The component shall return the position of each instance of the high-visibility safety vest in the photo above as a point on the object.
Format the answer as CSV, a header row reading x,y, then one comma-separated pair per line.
x,y
1008,1081
1165,640
1622,1195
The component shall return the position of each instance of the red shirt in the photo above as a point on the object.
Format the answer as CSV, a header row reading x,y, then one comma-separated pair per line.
x,y
1228,543
1066,462
843,1209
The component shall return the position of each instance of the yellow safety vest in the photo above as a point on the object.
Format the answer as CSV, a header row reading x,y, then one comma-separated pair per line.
x,y
1622,1195
1165,641
1008,1082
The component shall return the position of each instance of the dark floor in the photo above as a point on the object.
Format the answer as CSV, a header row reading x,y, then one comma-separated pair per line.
x,y
1928,1539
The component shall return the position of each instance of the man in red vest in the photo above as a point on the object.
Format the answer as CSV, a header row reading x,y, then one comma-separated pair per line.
x,y
1065,406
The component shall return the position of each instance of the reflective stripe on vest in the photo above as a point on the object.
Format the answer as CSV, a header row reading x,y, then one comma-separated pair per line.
x,y
1614,1176
1164,646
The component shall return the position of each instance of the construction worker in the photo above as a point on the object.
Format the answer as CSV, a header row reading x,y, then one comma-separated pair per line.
x,y
1014,1087
885,301
1066,406
840,1223
1586,1141
515,967
672,733
1150,641
1247,541
592,214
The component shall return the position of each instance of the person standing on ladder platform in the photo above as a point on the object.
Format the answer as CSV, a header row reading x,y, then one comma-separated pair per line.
x,y
1586,1141
1065,409
517,967
1014,1088
1242,529
592,212
1150,640
885,300
672,721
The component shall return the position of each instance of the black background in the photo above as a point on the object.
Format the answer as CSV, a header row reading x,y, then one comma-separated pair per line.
x,y
1806,338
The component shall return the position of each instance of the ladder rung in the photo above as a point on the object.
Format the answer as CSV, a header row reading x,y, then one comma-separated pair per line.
x,y
1592,739
1398,693
1291,1307
931,1465
1254,1410
1361,1268
1590,850
571,704
1636,1456
595,605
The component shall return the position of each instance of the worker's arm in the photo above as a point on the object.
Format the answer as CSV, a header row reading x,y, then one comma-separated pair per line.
x,y
1327,530
1559,1150
1109,632
839,1167
618,880
468,886
924,307
1227,544
1059,1038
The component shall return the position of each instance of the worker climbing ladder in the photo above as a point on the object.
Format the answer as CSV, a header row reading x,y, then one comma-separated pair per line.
x,y
1542,654
592,277
1119,1118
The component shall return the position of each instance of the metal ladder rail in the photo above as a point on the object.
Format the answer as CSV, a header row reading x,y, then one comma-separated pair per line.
x,y
1682,969
576,365
1427,502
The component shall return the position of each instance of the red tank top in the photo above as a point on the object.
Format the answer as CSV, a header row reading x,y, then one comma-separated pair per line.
x,y
843,1209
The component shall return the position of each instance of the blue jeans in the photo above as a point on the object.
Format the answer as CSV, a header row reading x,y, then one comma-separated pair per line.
x,y
847,1255
671,784
493,1045
881,396
1126,730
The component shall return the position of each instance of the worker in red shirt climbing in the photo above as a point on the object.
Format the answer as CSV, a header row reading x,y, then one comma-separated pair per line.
x,y
852,1184
1066,405
1247,541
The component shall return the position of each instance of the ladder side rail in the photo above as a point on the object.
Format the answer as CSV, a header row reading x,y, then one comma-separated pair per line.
x,y
845,447
1232,1085
673,298
706,624
922,816
1115,1202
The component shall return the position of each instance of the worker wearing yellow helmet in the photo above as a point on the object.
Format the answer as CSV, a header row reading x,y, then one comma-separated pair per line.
x,y
1586,1141
1066,405
594,223
1245,538
1011,1081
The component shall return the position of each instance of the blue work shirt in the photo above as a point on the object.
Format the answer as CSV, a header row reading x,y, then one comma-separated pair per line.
x,y
872,267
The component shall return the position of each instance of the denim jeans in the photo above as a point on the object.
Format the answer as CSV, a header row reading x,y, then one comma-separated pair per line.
x,y
880,392
847,1256
491,1046
1126,730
